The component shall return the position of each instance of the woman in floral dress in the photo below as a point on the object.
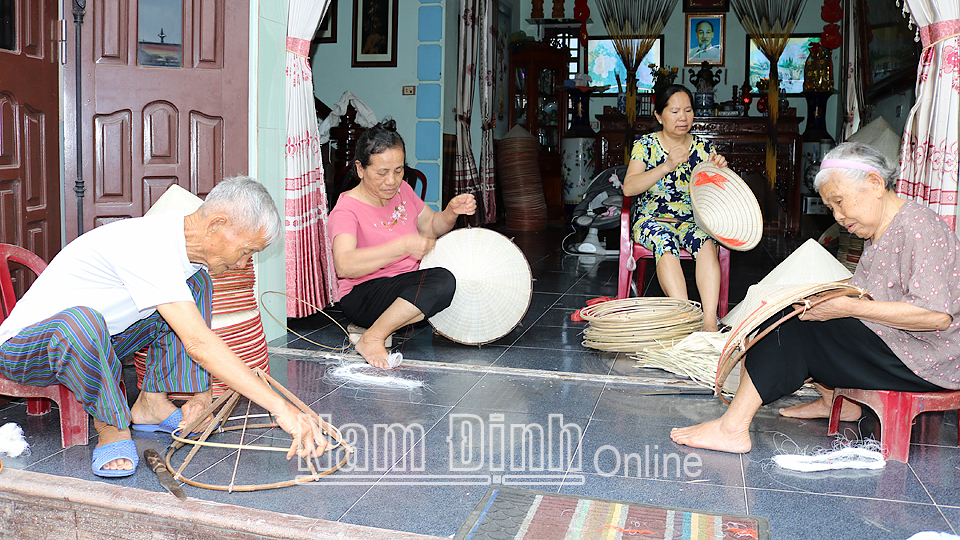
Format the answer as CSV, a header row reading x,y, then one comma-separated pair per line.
x,y
381,230
659,174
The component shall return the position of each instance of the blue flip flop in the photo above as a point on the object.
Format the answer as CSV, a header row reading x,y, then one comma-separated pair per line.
x,y
167,426
125,449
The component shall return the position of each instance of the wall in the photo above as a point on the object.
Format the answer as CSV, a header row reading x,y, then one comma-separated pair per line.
x,y
268,35
378,87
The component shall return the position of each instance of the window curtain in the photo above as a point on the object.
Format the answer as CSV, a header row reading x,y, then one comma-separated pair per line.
x,y
476,24
310,273
929,155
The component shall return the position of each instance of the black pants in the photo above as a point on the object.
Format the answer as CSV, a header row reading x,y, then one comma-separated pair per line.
x,y
431,290
839,353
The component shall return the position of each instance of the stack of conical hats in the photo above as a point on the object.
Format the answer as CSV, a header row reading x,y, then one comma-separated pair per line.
x,y
519,170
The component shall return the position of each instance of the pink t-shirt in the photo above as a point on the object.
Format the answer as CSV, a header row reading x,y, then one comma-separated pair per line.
x,y
373,226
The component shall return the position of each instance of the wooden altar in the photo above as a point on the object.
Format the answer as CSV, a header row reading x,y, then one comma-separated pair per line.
x,y
743,141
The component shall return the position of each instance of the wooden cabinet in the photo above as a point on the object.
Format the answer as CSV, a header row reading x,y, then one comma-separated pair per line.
x,y
535,104
743,141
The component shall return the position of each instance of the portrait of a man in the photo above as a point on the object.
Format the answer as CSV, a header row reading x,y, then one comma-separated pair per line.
x,y
704,40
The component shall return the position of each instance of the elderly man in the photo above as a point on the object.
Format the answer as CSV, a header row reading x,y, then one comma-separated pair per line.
x,y
705,50
144,282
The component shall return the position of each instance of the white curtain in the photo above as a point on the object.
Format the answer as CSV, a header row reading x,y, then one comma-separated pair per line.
x,y
853,86
310,273
476,23
929,155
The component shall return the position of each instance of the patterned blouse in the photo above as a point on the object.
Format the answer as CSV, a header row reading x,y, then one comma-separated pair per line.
x,y
917,261
669,197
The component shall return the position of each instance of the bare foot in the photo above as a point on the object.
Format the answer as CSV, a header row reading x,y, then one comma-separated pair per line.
x,y
713,435
151,408
110,434
192,409
821,408
372,350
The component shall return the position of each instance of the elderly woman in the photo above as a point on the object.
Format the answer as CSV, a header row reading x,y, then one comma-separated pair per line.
x,y
381,230
659,172
906,339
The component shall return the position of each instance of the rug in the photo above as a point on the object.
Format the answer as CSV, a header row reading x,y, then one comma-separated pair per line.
x,y
516,513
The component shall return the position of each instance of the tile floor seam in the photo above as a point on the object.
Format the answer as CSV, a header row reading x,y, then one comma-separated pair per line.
x,y
924,486
743,480
839,495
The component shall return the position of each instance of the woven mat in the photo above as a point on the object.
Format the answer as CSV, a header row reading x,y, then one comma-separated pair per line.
x,y
515,513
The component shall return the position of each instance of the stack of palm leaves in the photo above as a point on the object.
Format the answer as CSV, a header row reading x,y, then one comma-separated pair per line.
x,y
770,23
634,25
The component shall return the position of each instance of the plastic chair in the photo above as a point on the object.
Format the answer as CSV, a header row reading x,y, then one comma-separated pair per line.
x,y
73,419
896,411
411,176
633,260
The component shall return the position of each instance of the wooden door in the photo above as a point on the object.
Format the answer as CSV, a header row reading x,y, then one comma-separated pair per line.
x,y
164,93
29,127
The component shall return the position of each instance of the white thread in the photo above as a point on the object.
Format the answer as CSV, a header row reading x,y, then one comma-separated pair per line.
x,y
845,458
12,442
362,373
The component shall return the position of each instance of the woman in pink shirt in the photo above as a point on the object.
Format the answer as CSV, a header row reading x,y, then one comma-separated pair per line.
x,y
381,230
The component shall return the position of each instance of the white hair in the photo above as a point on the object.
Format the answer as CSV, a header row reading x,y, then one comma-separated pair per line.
x,y
247,204
859,153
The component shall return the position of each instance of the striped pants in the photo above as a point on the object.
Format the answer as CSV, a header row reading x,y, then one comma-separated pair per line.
x,y
74,348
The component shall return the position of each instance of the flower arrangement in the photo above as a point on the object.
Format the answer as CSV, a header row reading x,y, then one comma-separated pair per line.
x,y
663,76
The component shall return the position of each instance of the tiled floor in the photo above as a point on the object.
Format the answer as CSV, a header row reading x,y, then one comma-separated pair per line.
x,y
604,435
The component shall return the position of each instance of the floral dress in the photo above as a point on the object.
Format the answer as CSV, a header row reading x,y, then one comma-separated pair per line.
x,y
668,198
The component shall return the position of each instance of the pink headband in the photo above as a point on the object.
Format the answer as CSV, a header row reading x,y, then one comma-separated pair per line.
x,y
848,164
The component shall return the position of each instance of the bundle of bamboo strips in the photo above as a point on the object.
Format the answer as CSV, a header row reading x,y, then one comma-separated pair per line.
x,y
695,357
635,324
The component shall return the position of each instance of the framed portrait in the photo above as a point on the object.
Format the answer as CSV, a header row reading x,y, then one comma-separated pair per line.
x,y
789,68
706,6
327,31
603,64
705,35
374,33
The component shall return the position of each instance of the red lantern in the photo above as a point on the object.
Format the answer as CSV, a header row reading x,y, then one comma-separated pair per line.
x,y
581,12
831,38
831,11
583,34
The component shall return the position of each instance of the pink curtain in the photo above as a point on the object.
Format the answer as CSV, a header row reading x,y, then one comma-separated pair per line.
x,y
309,253
929,155
476,24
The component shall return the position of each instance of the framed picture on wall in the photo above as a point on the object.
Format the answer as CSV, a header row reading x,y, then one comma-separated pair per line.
x,y
327,31
374,33
704,39
603,64
789,68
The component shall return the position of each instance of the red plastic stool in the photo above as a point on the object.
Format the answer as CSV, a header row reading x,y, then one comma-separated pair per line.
x,y
896,411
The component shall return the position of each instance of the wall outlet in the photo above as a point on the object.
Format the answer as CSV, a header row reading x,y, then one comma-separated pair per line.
x,y
409,90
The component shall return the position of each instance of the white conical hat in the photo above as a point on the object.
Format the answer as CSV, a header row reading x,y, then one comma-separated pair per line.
x,y
881,137
809,264
175,200
725,207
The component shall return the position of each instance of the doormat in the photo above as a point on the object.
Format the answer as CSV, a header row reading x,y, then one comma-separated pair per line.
x,y
524,514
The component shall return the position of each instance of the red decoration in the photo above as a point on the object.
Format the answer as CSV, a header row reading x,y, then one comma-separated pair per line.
x,y
831,11
583,34
831,38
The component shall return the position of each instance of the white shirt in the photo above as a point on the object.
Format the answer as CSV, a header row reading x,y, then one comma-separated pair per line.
x,y
123,270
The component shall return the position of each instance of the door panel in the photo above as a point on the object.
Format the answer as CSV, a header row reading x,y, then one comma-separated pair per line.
x,y
151,122
30,132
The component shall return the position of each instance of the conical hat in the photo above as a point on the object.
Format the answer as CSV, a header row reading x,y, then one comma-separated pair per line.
x,y
808,264
725,207
175,200
879,135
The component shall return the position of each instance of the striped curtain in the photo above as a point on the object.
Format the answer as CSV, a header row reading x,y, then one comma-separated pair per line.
x,y
476,25
929,155
309,252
